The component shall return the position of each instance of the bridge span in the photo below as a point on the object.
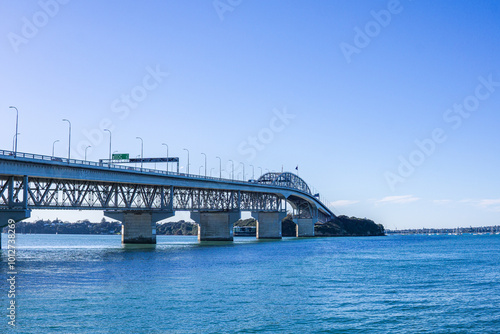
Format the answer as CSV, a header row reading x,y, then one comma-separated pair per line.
x,y
140,197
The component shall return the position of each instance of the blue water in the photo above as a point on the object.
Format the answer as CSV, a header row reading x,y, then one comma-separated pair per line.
x,y
394,284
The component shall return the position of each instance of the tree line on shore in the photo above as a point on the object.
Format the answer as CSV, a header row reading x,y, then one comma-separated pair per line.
x,y
457,230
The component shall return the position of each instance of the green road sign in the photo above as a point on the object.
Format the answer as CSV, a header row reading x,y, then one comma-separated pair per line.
x,y
121,156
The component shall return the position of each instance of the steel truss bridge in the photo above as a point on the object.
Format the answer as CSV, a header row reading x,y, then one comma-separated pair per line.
x,y
31,181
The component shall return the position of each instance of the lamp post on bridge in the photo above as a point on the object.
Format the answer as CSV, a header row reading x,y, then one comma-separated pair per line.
x,y
17,129
243,176
220,167
14,139
167,154
232,169
109,144
69,141
142,150
205,163
185,149
53,146
86,152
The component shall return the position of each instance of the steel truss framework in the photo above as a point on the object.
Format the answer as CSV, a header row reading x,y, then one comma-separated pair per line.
x,y
303,209
45,193
285,179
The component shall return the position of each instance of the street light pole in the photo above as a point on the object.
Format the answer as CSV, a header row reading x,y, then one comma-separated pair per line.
x,y
167,154
243,176
232,169
53,144
86,152
142,150
185,149
205,164
69,141
13,140
220,167
17,128
109,144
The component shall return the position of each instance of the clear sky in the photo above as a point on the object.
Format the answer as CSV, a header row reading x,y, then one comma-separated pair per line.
x,y
390,109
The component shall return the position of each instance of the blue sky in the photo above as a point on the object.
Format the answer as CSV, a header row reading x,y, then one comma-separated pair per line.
x,y
389,108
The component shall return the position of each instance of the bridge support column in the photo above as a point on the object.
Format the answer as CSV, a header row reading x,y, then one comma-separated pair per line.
x,y
7,216
305,226
215,226
138,227
269,224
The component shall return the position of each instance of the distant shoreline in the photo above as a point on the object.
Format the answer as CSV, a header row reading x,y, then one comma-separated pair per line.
x,y
448,231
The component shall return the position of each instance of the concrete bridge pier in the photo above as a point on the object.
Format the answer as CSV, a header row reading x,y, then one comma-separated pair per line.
x,y
215,226
305,226
269,224
6,216
138,227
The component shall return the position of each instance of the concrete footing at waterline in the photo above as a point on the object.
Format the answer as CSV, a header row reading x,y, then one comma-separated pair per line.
x,y
138,227
269,224
215,226
304,227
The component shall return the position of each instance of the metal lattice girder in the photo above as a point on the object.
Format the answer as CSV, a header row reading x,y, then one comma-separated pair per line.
x,y
55,193
303,209
205,199
13,192
47,193
260,202
323,218
286,179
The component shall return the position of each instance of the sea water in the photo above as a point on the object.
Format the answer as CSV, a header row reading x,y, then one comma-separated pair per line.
x,y
393,284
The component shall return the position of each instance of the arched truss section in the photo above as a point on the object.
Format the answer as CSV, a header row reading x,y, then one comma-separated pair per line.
x,y
286,179
302,208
